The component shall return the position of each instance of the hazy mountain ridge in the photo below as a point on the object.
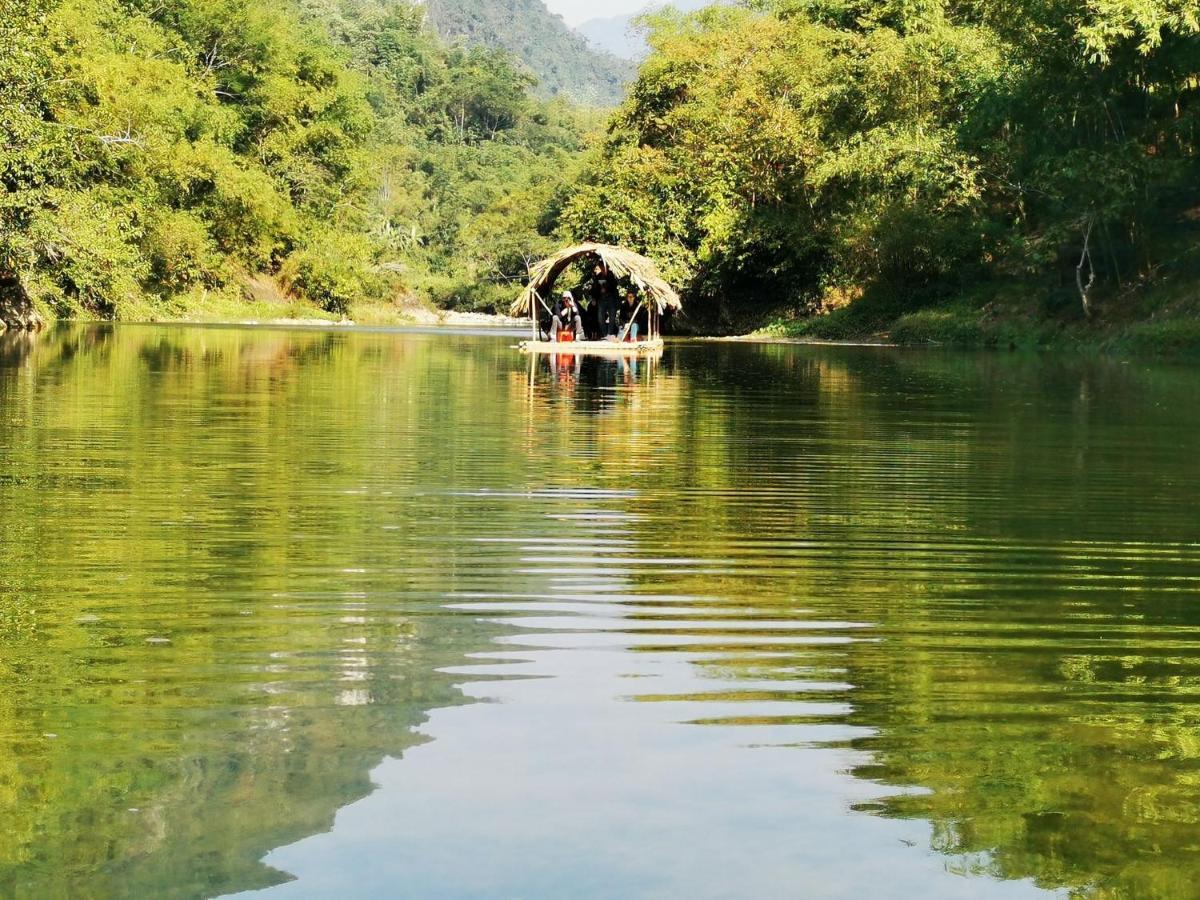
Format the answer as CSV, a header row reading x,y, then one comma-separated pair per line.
x,y
615,35
619,36
563,61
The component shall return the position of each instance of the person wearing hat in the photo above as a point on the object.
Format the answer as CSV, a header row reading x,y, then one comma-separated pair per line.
x,y
566,317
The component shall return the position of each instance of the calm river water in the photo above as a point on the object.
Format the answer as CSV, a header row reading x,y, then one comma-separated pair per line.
x,y
385,614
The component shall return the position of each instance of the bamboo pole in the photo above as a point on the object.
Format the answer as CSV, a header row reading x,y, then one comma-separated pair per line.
x,y
533,315
629,324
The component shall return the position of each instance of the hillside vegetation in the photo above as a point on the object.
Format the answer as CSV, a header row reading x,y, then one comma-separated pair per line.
x,y
800,156
563,62
156,156
623,35
955,172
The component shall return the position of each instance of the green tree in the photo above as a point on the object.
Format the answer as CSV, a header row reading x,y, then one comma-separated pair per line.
x,y
798,148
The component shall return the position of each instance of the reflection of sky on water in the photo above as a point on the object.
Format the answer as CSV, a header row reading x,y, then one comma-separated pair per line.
x,y
584,772
560,788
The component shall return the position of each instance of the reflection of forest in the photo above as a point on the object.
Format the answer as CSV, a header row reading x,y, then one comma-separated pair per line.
x,y
215,617
999,559
226,553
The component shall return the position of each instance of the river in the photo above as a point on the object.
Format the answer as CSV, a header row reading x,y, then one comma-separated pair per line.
x,y
356,613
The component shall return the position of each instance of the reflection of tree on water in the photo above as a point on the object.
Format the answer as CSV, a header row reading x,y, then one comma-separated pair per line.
x,y
15,346
212,622
180,806
1028,757
995,586
1000,585
54,347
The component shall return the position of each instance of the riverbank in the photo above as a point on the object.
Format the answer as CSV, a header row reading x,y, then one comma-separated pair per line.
x,y
449,319
298,312
259,301
303,315
1161,319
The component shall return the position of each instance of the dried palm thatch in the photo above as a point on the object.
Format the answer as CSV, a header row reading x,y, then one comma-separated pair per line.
x,y
642,272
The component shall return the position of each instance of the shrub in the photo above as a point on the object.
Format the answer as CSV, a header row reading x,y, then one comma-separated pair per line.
x,y
180,251
332,270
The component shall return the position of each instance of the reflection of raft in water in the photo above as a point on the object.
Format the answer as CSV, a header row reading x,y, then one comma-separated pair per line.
x,y
598,348
656,297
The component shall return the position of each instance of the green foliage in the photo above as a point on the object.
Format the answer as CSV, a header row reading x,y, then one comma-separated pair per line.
x,y
467,162
1174,337
481,96
90,241
32,152
803,146
331,271
768,155
181,250
152,151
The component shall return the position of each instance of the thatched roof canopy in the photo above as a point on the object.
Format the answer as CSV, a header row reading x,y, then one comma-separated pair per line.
x,y
621,262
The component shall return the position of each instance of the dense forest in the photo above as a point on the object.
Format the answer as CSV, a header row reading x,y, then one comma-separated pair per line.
x,y
934,168
870,158
160,158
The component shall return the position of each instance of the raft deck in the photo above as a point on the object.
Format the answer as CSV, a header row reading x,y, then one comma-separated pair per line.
x,y
607,348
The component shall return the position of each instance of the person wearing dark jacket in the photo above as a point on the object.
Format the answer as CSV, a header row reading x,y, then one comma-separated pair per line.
x,y
603,292
591,320
566,318
632,316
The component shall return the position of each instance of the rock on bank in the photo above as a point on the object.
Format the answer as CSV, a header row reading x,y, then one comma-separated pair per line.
x,y
16,308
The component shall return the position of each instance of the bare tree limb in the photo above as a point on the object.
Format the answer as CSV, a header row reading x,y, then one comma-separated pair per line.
x,y
1086,257
127,137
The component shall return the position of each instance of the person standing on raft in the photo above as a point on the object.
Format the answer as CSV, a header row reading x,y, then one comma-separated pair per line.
x,y
603,292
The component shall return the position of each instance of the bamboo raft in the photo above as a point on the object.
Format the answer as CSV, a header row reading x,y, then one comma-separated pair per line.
x,y
602,348
657,296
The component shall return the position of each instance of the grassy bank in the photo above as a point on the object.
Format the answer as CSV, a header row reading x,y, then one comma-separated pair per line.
x,y
226,309
262,298
1160,319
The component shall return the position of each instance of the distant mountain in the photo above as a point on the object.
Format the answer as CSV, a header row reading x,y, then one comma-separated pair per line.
x,y
562,60
618,36
615,35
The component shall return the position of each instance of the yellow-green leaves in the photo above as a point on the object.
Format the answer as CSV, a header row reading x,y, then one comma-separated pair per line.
x,y
803,145
1106,24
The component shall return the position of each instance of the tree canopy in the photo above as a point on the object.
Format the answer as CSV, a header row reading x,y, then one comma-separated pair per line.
x,y
564,63
156,153
778,156
802,149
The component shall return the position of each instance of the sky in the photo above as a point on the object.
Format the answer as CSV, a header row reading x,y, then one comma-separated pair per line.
x,y
577,11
